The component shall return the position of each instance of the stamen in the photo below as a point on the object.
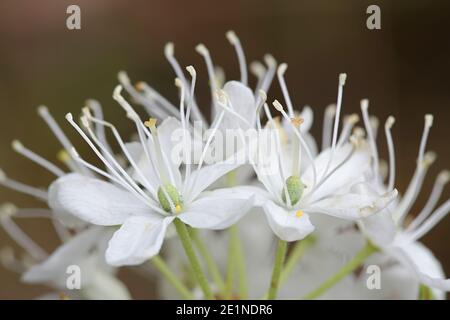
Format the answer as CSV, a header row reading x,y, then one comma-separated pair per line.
x,y
78,158
342,79
9,261
124,149
280,72
434,219
152,97
349,122
220,76
414,187
151,124
441,180
268,77
426,131
370,134
19,148
204,52
379,203
112,159
23,188
95,106
169,53
54,127
258,70
193,74
234,40
299,213
263,99
374,124
279,108
287,198
329,114
387,129
6,212
127,181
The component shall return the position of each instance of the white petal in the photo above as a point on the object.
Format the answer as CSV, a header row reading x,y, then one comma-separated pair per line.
x,y
380,228
203,178
106,286
138,239
349,173
219,209
285,224
94,200
70,253
243,102
351,206
419,259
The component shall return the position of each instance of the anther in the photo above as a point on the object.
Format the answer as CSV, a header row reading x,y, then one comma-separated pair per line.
x,y
169,49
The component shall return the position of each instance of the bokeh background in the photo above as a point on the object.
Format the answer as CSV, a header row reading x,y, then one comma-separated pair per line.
x,y
403,68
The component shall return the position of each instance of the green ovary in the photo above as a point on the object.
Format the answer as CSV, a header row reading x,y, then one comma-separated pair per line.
x,y
172,192
294,188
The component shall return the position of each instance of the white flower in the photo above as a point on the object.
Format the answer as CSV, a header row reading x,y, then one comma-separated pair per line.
x,y
85,250
146,199
324,187
388,229
65,217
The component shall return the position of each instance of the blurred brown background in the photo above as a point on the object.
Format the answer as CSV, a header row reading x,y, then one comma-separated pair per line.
x,y
404,69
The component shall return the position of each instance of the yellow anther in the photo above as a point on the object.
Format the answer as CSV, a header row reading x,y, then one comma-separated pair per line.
x,y
151,123
299,213
140,86
63,156
297,121
177,208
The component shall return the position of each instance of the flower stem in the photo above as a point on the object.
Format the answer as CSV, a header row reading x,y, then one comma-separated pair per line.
x,y
277,268
162,267
240,262
351,266
213,269
295,255
196,268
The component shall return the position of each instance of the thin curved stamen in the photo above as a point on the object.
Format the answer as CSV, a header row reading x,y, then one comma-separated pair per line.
x,y
342,79
19,148
96,108
268,77
279,155
387,129
23,240
279,107
126,181
349,123
329,114
426,131
169,53
434,219
234,40
112,160
204,52
280,73
22,188
259,71
441,180
370,134
124,149
414,188
153,102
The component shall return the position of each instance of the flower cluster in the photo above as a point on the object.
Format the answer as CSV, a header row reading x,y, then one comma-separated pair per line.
x,y
161,199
